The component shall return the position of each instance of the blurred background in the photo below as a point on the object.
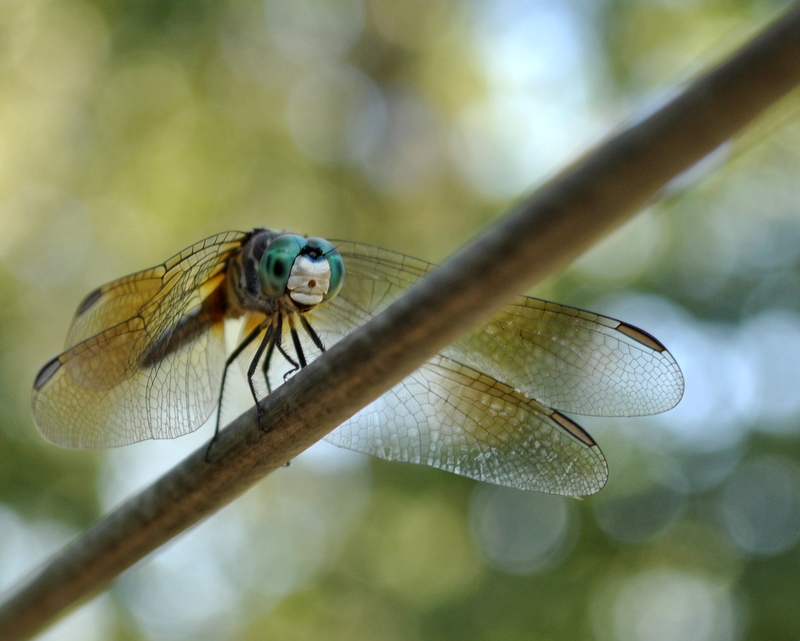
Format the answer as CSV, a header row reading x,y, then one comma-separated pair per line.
x,y
131,130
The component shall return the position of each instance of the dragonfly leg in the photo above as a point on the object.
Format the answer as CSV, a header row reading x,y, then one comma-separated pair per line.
x,y
298,348
269,338
311,333
278,343
292,362
270,351
233,356
267,362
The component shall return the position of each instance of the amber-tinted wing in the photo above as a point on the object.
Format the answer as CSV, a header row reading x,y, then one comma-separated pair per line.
x,y
144,355
482,407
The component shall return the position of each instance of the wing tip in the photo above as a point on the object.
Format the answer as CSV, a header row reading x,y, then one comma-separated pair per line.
x,y
641,336
573,428
90,299
47,372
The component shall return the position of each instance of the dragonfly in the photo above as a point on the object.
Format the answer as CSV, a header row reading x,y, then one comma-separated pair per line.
x,y
146,358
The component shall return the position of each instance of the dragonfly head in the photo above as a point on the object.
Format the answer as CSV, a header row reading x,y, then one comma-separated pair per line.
x,y
309,270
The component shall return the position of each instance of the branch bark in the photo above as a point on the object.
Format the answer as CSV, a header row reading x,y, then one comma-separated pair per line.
x,y
537,238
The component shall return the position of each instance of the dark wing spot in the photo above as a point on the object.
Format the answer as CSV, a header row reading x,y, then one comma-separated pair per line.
x,y
46,373
573,428
643,337
90,300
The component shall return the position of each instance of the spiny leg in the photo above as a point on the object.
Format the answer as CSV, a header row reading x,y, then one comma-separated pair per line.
x,y
233,356
279,345
267,361
271,350
292,362
298,348
269,339
311,333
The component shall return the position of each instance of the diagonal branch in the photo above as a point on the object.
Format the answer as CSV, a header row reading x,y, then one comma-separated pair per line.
x,y
537,238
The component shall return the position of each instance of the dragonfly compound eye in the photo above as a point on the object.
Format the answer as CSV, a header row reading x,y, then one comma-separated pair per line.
x,y
277,263
329,254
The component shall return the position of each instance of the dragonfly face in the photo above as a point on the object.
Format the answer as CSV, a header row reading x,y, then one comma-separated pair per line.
x,y
308,270
145,358
283,271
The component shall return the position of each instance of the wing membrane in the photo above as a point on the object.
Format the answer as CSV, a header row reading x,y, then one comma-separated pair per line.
x,y
144,355
575,361
471,409
566,358
451,417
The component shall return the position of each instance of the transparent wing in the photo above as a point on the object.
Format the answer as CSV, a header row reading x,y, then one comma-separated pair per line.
x,y
575,361
452,417
471,409
566,358
144,354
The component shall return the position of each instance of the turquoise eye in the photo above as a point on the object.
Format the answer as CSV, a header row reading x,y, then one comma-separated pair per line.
x,y
276,263
335,262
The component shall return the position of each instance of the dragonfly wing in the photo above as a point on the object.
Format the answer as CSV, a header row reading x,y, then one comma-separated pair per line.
x,y
449,415
374,277
186,278
452,417
144,354
567,358
574,360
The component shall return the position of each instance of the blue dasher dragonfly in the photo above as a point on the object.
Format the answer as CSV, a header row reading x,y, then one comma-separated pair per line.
x,y
145,358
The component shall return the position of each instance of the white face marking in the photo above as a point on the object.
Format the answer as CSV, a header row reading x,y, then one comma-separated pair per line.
x,y
309,281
